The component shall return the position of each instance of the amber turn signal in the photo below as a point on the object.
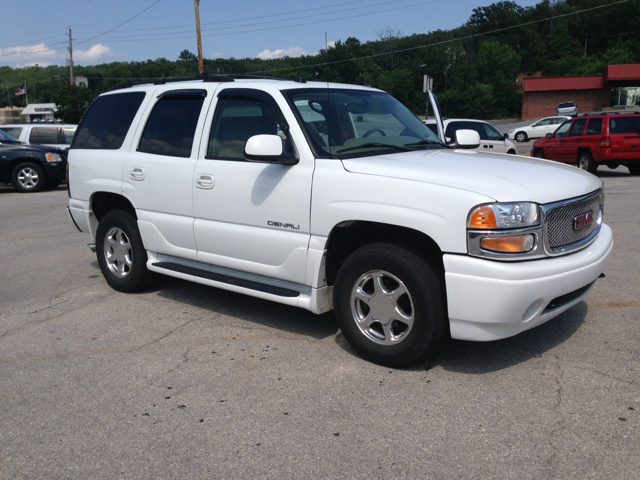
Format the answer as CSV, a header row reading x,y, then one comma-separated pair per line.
x,y
512,244
483,217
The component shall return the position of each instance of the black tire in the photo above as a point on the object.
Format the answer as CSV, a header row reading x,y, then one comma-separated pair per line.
x,y
416,323
586,161
28,177
634,169
521,137
121,254
538,153
511,152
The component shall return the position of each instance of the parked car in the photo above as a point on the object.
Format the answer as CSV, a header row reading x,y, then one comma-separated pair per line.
x,y
490,139
567,108
612,139
537,129
328,196
49,135
30,168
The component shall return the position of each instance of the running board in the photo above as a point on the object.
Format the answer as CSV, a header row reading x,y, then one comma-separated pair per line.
x,y
218,277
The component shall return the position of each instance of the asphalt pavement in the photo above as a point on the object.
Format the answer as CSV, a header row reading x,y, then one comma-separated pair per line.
x,y
187,381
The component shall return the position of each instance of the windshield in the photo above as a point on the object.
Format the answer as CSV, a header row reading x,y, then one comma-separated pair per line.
x,y
358,123
5,137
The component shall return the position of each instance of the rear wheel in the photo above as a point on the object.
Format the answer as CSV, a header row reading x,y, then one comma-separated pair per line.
x,y
388,304
586,162
121,254
521,137
28,177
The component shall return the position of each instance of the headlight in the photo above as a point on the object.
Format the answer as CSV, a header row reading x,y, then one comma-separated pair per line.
x,y
52,157
504,215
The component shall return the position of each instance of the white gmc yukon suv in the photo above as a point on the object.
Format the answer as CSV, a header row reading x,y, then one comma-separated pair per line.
x,y
328,196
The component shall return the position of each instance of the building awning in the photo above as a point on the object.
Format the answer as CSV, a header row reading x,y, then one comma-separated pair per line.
x,y
577,82
622,72
39,108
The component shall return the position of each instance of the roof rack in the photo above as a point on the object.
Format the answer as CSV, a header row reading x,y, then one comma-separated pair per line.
x,y
609,113
205,77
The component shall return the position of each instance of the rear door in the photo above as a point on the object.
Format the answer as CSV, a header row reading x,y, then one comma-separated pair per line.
x,y
158,172
492,140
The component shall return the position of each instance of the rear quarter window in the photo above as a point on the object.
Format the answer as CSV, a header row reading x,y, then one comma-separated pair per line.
x,y
624,125
107,122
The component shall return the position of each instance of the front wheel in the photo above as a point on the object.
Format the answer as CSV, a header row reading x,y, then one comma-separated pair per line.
x,y
538,153
586,162
388,304
121,254
521,137
634,169
28,177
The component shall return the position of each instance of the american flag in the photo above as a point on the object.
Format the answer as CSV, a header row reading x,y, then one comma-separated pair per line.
x,y
19,91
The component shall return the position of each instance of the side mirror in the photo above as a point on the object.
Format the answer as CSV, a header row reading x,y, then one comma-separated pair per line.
x,y
467,139
267,149
505,136
549,135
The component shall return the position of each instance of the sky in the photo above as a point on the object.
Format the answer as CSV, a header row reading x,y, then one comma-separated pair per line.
x,y
37,31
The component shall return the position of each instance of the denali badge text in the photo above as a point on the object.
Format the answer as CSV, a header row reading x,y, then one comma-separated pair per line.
x,y
583,220
283,225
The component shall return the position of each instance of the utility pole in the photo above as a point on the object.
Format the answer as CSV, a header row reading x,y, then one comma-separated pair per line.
x,y
70,58
196,3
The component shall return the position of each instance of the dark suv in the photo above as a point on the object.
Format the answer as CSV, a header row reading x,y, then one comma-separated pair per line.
x,y
612,139
28,167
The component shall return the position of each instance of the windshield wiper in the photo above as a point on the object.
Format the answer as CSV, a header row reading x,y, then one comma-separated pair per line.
x,y
374,144
424,142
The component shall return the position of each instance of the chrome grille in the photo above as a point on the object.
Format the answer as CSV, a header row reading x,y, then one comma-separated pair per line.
x,y
560,222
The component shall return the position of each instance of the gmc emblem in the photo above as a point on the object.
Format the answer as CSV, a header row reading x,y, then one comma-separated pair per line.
x,y
583,220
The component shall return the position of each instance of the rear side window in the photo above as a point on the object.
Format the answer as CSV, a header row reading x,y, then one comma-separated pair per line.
x,y
623,125
48,135
595,126
13,131
577,128
108,120
172,126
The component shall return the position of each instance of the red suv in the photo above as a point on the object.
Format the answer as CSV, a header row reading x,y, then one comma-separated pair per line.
x,y
612,139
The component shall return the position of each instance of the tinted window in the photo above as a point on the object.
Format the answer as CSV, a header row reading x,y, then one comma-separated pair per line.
x,y
172,126
48,135
566,105
594,126
235,121
108,120
13,131
546,121
492,133
624,124
577,128
33,137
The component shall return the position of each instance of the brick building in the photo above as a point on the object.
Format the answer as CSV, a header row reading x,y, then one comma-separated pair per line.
x,y
619,87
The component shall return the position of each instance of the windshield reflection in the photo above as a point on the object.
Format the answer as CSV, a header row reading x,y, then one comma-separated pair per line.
x,y
345,123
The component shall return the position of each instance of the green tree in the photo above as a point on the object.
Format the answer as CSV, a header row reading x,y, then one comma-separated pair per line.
x,y
71,102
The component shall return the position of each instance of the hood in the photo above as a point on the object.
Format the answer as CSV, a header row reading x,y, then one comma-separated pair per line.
x,y
502,177
33,148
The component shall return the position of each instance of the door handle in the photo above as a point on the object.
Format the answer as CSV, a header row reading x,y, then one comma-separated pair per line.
x,y
204,181
137,173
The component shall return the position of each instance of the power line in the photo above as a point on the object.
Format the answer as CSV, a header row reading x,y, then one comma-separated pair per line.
x,y
127,21
444,41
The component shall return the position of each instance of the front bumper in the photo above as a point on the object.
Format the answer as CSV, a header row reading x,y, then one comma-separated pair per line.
x,y
489,300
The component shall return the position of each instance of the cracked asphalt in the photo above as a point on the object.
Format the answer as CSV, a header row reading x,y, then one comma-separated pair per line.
x,y
187,381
